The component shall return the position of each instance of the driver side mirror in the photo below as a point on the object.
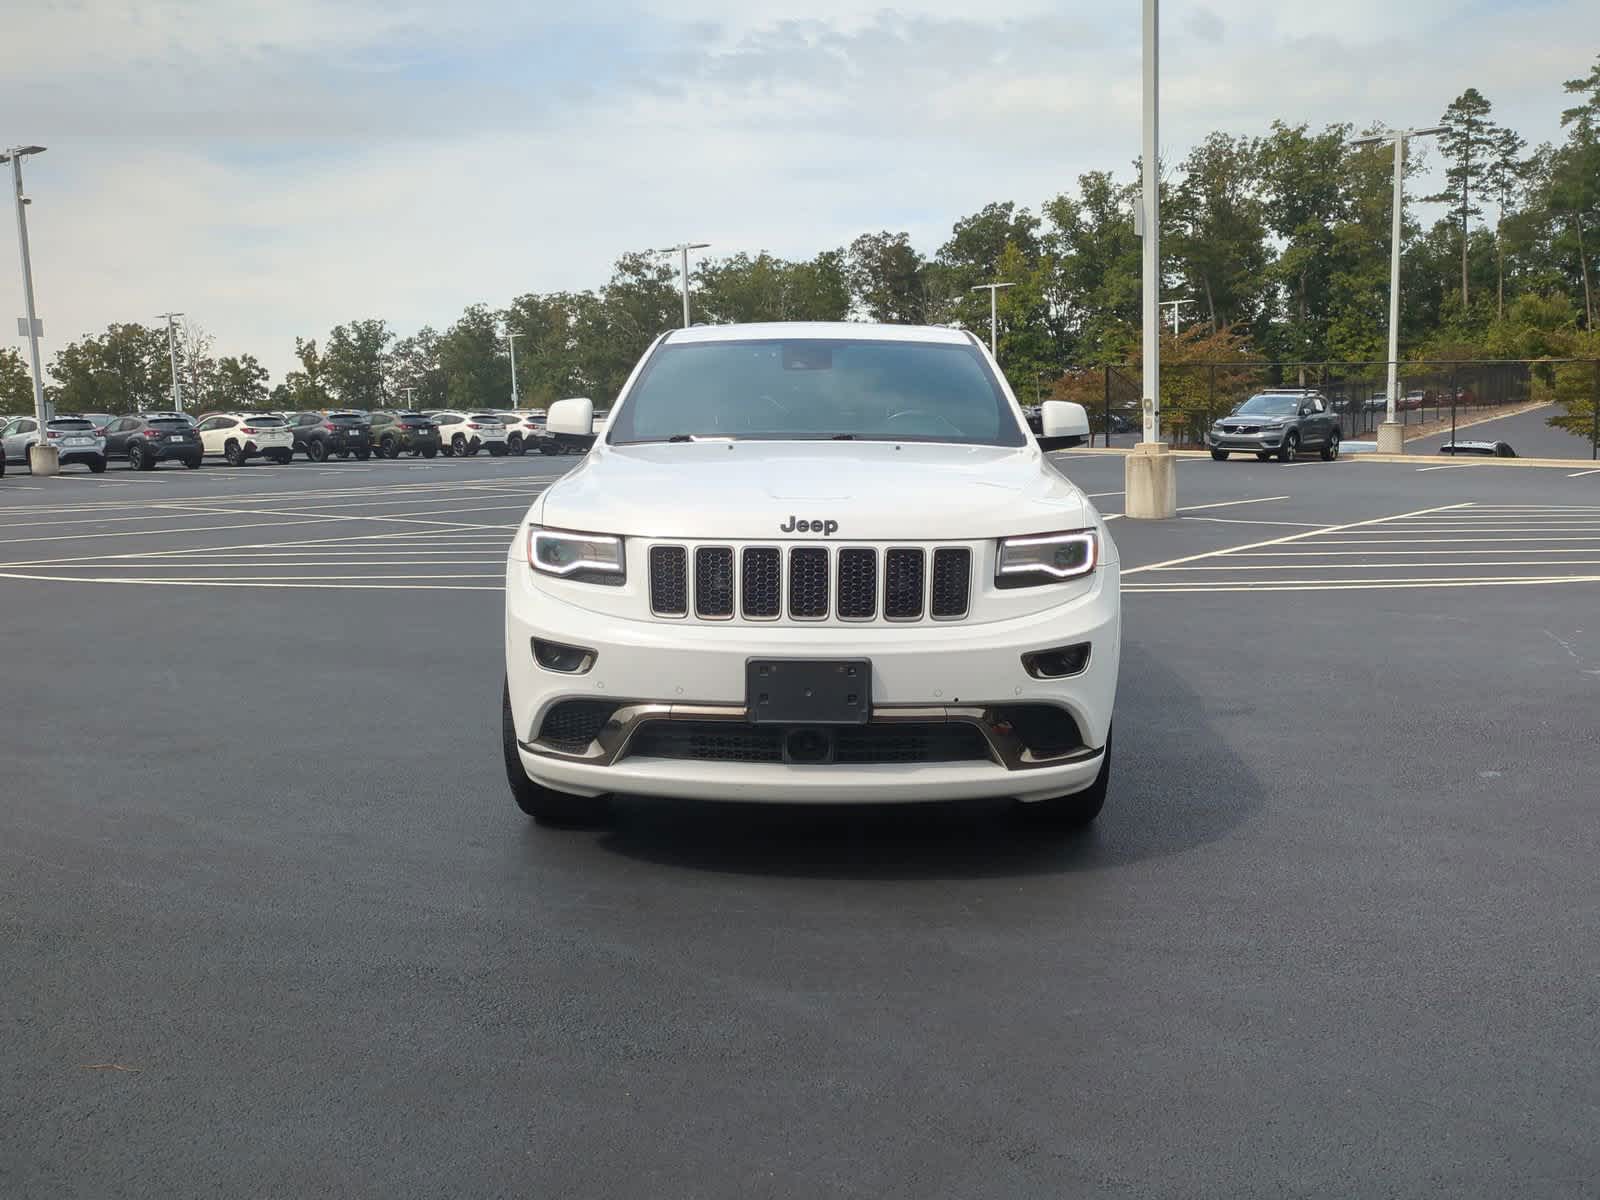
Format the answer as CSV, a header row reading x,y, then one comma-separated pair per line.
x,y
1062,425
571,422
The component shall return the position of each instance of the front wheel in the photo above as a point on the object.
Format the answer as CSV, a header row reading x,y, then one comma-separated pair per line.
x,y
472,447
317,450
545,805
1220,455
458,446
497,451
516,445
389,447
1291,447
1330,448
98,465
1263,457
1063,814
233,454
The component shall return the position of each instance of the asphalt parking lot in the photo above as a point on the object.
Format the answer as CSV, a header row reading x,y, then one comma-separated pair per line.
x,y
272,925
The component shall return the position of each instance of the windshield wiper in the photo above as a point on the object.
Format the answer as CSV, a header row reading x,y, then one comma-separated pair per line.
x,y
681,437
843,437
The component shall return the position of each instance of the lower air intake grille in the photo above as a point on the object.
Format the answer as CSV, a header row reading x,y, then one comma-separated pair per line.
x,y
902,596
952,580
890,742
758,582
669,581
858,584
808,583
571,725
713,581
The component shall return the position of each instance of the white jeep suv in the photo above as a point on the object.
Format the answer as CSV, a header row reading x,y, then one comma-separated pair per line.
x,y
813,563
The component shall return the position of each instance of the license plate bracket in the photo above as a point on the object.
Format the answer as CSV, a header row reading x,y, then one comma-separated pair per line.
x,y
808,691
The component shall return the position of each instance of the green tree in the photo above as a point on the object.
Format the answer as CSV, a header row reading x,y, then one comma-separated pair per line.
x,y
16,383
1469,144
472,356
1505,177
306,388
1093,270
413,376
241,382
352,365
1222,243
124,369
1575,178
886,278
1305,201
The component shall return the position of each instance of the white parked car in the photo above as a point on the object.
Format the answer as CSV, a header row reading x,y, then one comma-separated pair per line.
x,y
464,433
524,427
75,438
239,437
813,563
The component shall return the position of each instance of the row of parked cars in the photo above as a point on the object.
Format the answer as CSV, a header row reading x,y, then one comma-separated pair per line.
x,y
148,438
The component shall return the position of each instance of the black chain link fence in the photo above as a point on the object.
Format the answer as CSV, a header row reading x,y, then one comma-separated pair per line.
x,y
1432,396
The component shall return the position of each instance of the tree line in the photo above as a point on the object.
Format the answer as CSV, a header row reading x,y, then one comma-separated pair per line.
x,y
1279,240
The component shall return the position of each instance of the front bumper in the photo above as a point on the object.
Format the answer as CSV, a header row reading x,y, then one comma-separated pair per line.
x,y
1246,442
950,672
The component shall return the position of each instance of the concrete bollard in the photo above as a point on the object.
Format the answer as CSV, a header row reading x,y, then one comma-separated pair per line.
x,y
44,460
1391,438
1151,482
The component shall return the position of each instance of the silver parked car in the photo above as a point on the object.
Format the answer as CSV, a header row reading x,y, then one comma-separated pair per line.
x,y
74,438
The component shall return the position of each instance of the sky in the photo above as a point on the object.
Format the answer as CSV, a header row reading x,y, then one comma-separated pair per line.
x,y
273,169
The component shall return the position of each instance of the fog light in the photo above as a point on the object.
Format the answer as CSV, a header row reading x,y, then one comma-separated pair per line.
x,y
568,660
1057,663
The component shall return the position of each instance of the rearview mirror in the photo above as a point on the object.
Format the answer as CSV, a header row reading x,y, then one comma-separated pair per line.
x,y
1062,425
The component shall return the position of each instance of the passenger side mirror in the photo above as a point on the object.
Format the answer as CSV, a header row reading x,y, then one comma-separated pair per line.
x,y
1062,424
571,421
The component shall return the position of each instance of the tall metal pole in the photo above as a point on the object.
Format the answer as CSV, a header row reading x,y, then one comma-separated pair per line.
x,y
1394,272
1151,211
511,341
994,289
172,355
39,412
682,250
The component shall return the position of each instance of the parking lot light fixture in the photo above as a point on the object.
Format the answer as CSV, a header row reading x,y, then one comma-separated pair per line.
x,y
1391,436
42,457
682,250
511,343
172,355
994,323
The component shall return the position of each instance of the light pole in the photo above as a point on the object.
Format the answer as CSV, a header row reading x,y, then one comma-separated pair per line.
x,y
410,403
1391,435
993,289
1174,305
682,249
511,341
1150,474
172,355
43,458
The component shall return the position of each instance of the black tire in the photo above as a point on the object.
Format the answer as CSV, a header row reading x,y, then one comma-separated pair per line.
x,y
429,451
389,447
363,455
458,446
545,805
1290,447
98,465
317,450
1330,448
497,451
1220,455
515,445
233,454
547,448
1263,457
1064,814
472,448
283,457
138,460
343,454
193,462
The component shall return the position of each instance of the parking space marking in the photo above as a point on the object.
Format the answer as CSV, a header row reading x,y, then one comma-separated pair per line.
x,y
1231,503
1581,474
1454,546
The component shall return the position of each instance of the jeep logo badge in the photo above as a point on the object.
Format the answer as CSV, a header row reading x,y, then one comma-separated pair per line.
x,y
796,525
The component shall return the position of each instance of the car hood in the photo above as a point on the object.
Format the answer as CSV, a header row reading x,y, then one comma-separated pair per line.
x,y
874,490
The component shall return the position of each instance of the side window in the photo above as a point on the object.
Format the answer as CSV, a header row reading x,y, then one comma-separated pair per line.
x,y
1317,405
27,426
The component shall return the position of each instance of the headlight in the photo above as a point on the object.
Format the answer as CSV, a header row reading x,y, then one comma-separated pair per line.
x,y
588,557
1048,558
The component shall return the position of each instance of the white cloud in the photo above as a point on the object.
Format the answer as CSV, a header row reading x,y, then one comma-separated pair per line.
x,y
276,168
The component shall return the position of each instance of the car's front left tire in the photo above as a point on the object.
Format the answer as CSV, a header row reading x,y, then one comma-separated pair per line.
x,y
1220,455
1076,810
1291,447
545,805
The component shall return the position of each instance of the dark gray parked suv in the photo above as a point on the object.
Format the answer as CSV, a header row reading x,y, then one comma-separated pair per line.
x,y
1277,424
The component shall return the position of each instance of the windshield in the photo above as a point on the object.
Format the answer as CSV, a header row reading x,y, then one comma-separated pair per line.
x,y
814,388
1270,406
